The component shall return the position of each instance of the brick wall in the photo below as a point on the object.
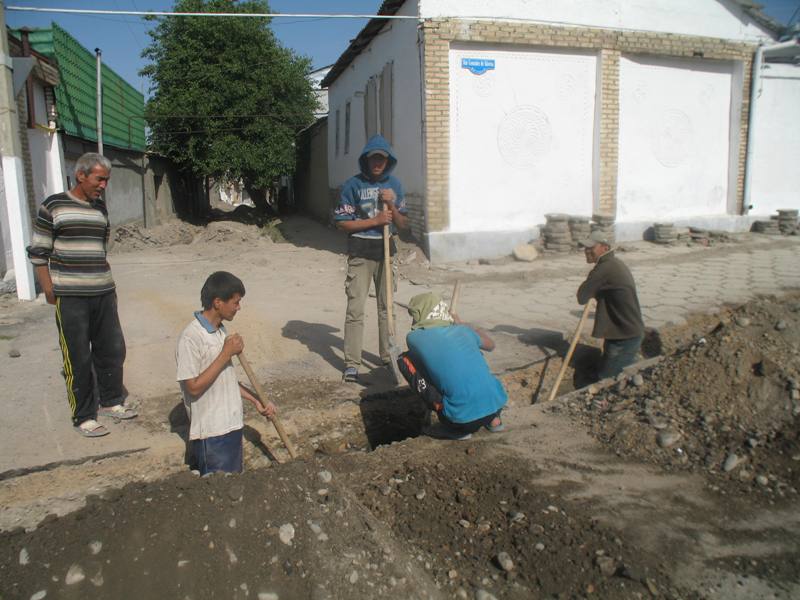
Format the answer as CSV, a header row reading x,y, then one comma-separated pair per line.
x,y
439,33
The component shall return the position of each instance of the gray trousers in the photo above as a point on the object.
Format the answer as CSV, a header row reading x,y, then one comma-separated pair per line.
x,y
360,272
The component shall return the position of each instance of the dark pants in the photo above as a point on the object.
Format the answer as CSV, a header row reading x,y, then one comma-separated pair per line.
x,y
218,453
618,354
419,381
92,345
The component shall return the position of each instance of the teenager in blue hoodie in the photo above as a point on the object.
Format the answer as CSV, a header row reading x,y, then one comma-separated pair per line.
x,y
360,213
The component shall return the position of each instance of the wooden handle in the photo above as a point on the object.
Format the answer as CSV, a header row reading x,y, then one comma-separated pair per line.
x,y
387,276
454,297
568,357
263,398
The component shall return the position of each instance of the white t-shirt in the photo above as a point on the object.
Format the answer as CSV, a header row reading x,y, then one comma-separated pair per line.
x,y
219,409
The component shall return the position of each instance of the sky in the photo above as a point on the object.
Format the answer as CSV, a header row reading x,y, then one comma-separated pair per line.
x,y
122,39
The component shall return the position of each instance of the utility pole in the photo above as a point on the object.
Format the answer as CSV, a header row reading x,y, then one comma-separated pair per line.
x,y
13,173
98,55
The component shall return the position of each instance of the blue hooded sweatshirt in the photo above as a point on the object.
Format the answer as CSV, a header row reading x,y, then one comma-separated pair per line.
x,y
359,196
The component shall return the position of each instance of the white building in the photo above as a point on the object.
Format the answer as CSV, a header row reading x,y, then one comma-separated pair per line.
x,y
502,112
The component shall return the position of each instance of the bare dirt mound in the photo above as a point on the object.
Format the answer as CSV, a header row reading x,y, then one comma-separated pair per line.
x,y
481,524
727,403
134,236
427,520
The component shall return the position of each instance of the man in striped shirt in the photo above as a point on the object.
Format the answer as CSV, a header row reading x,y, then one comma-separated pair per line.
x,y
68,252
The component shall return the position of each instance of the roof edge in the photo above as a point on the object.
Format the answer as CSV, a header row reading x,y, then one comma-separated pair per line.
x,y
362,40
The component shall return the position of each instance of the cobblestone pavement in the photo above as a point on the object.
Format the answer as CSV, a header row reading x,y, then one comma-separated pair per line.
x,y
531,319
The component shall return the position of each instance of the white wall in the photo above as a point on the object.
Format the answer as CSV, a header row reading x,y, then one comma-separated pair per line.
x,y
521,137
714,18
674,136
396,42
775,176
45,152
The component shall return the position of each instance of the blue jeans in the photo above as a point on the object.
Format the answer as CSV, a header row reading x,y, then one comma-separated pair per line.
x,y
618,354
218,453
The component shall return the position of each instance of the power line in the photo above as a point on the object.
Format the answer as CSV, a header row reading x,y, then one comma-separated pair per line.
x,y
151,13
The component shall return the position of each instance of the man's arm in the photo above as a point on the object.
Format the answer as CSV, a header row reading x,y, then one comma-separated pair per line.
x,y
45,282
593,284
487,343
267,409
380,219
197,386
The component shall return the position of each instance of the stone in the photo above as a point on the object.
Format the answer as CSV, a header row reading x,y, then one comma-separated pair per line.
x,y
267,596
75,575
762,480
504,561
98,580
732,461
14,353
525,253
325,476
39,595
607,565
667,438
232,523
95,547
539,546
286,533
742,321
637,380
481,594
236,492
353,577
780,325
24,557
420,495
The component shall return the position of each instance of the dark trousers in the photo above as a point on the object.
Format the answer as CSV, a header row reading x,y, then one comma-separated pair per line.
x,y
419,381
618,354
218,453
92,346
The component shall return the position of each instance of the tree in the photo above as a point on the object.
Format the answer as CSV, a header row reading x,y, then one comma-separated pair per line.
x,y
226,98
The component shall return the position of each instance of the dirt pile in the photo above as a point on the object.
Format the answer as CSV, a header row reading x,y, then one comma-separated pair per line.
x,y
480,524
134,236
727,403
268,534
412,520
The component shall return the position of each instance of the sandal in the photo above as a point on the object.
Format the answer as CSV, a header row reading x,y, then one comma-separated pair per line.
x,y
91,428
123,413
496,427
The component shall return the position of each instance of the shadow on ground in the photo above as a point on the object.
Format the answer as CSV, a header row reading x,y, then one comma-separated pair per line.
x,y
322,339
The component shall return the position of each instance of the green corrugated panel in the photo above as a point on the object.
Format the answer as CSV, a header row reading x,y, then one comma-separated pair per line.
x,y
76,98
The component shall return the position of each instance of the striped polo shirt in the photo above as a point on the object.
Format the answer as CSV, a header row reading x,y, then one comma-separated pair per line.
x,y
70,235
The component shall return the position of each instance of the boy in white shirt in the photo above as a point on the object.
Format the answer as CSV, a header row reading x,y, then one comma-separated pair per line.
x,y
211,391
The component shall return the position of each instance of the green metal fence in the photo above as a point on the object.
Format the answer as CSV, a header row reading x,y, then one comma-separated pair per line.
x,y
76,96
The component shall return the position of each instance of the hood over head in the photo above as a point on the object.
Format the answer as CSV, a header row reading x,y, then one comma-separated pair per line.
x,y
429,310
377,143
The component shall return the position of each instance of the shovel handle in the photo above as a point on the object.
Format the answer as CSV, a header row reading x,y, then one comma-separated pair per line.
x,y
454,297
387,277
568,356
263,398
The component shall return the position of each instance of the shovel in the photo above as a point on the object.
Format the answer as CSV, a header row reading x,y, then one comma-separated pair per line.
x,y
263,398
394,350
568,356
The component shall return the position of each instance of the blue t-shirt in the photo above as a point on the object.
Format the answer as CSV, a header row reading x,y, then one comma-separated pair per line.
x,y
453,360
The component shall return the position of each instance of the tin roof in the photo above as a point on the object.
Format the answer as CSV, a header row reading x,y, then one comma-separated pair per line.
x,y
76,96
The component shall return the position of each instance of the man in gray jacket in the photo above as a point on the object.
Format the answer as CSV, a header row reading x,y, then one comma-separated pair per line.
x,y
618,317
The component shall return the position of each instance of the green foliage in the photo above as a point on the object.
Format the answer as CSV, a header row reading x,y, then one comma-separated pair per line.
x,y
227,98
